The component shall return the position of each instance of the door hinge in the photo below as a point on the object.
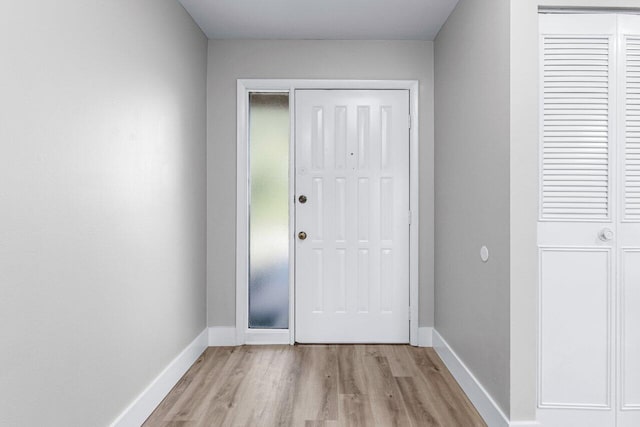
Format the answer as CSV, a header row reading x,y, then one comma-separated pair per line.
x,y
409,217
409,121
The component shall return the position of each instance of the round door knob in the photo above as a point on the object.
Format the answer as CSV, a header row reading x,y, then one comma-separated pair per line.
x,y
302,235
302,199
606,234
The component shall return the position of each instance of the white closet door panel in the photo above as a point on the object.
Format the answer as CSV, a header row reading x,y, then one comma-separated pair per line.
x,y
577,202
630,325
629,230
575,323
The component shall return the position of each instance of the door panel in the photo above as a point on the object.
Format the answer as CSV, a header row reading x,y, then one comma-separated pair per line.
x,y
629,229
352,163
577,206
575,350
629,325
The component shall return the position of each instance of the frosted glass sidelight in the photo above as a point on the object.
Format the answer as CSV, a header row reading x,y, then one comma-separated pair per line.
x,y
269,211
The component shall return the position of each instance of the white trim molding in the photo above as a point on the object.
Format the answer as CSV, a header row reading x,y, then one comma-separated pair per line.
x,y
140,409
222,336
244,87
484,403
266,336
425,336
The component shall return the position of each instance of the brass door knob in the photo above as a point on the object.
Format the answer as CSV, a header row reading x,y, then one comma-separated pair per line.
x,y
302,199
302,235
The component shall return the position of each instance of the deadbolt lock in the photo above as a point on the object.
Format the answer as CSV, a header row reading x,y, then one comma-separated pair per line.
x,y
302,235
302,199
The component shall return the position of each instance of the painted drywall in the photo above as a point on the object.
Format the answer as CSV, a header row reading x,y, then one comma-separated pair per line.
x,y
231,60
102,203
472,190
524,194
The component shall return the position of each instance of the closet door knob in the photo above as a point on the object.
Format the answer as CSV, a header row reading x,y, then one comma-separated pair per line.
x,y
302,235
606,234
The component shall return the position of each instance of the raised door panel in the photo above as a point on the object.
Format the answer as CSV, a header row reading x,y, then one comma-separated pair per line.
x,y
629,327
576,328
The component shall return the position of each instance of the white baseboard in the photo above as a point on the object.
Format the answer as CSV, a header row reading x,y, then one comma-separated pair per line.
x,y
222,336
425,336
267,336
227,336
484,403
150,398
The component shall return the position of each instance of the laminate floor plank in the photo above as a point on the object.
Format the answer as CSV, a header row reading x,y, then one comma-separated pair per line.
x,y
190,401
177,423
386,401
355,411
317,386
317,392
223,397
285,396
184,389
421,410
351,376
316,423
453,402
255,390
400,362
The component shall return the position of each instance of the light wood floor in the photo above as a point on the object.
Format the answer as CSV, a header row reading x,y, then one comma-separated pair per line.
x,y
317,385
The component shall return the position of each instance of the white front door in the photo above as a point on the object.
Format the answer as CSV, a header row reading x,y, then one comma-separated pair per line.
x,y
589,228
352,204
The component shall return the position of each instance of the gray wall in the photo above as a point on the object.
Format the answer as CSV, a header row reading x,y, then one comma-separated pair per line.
x,y
102,211
472,189
231,60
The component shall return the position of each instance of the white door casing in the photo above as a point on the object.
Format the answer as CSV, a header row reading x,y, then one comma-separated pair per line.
x,y
588,246
352,164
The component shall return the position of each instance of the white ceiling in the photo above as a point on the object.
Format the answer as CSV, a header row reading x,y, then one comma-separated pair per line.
x,y
320,19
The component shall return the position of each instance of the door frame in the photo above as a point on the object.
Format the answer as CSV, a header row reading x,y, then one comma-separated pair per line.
x,y
244,335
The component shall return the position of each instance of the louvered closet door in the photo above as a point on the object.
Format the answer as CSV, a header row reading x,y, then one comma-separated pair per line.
x,y
629,229
577,220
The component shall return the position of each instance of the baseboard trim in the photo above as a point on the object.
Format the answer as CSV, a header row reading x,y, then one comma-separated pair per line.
x,y
425,336
484,403
140,409
222,336
266,337
226,336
